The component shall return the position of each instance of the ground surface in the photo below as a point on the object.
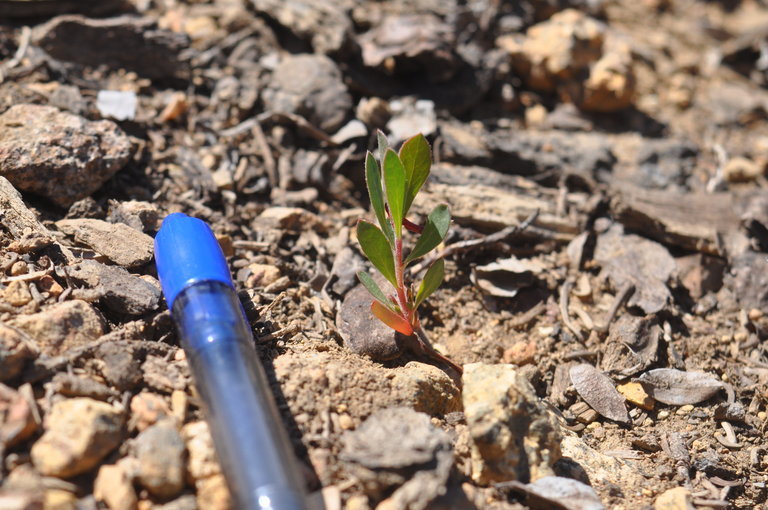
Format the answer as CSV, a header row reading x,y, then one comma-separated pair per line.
x,y
632,133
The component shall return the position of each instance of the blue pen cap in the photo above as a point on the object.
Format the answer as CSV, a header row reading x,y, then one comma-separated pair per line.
x,y
187,252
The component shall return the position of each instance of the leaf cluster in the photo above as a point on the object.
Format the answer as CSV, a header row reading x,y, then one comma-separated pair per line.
x,y
393,181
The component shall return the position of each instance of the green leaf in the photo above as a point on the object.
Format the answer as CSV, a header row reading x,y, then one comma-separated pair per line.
x,y
373,180
434,232
374,289
391,319
394,179
376,247
417,159
431,281
381,139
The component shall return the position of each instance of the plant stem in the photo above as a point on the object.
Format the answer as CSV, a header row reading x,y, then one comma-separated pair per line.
x,y
400,277
424,345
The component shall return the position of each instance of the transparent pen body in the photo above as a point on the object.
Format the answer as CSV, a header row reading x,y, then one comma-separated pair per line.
x,y
251,443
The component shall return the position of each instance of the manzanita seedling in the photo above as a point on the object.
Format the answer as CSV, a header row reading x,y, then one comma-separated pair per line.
x,y
393,182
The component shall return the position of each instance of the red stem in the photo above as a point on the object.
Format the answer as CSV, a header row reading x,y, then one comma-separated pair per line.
x,y
400,277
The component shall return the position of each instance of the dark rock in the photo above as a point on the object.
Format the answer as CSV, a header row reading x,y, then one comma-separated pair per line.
x,y
121,367
665,163
125,42
400,447
363,333
160,451
311,86
325,25
748,280
121,291
412,43
59,155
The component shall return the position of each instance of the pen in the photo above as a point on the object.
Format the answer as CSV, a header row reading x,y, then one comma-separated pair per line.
x,y
251,444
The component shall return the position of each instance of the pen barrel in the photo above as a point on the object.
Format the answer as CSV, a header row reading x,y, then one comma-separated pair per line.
x,y
251,443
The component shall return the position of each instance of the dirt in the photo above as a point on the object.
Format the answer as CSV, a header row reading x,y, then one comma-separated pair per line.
x,y
605,166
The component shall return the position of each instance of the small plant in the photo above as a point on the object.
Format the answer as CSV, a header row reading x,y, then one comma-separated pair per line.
x,y
403,176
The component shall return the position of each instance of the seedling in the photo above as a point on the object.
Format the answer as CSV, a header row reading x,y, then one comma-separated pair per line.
x,y
403,176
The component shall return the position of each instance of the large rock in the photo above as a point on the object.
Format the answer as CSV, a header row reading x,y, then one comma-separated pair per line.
x,y
59,155
118,242
122,42
61,327
515,437
400,447
311,86
80,432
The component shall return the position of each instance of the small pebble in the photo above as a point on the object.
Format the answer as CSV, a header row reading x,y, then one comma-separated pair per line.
x,y
346,422
594,425
762,415
740,336
663,415
17,293
684,410
19,267
754,314
179,402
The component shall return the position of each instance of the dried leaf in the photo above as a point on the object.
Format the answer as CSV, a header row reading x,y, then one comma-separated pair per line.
x,y
676,387
556,492
598,391
505,277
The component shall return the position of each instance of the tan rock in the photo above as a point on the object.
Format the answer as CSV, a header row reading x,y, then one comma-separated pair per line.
x,y
427,388
521,353
635,393
63,326
289,218
80,432
603,471
179,403
611,83
57,499
49,285
15,350
740,169
514,436
118,242
17,416
559,48
213,494
201,462
114,487
678,498
262,275
147,408
17,293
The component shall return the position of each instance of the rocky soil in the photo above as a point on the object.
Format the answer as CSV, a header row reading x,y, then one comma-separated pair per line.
x,y
607,289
